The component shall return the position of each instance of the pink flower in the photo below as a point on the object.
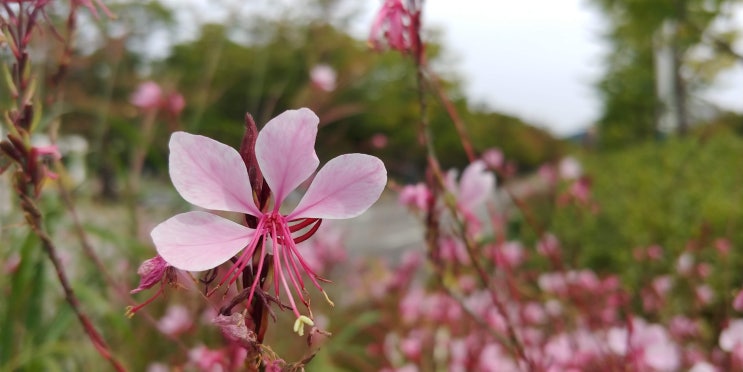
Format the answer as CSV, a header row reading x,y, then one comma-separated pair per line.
x,y
175,103
151,272
379,141
685,263
213,175
176,321
738,301
732,336
415,196
47,152
453,250
723,246
475,186
569,168
394,25
206,359
681,326
548,245
655,252
649,345
509,254
323,77
148,96
494,158
704,294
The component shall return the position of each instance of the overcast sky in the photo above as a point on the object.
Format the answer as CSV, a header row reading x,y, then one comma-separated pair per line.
x,y
536,59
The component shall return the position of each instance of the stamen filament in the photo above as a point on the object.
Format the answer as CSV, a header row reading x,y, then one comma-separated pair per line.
x,y
301,225
257,275
309,233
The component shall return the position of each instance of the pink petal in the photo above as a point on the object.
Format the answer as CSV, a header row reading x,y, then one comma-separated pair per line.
x,y
197,241
210,174
345,187
285,149
475,185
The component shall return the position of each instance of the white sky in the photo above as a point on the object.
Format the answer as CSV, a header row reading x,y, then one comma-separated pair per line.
x,y
536,59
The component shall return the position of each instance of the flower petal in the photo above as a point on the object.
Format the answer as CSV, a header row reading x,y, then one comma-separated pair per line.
x,y
345,187
210,174
285,149
197,241
476,184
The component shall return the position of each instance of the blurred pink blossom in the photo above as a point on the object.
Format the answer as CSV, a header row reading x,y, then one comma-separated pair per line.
x,y
47,152
453,250
704,294
509,254
415,196
175,103
685,263
148,96
475,186
704,270
650,346
11,263
738,301
494,158
681,326
732,336
324,77
325,248
412,346
569,168
379,141
393,26
655,252
723,246
662,284
548,245
703,367
548,174
493,359
411,260
176,321
206,359
410,305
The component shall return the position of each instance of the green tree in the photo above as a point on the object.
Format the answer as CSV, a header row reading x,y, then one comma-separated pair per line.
x,y
654,67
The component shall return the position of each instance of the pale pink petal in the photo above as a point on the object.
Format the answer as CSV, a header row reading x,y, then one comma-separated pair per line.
x,y
210,174
476,184
197,241
345,187
285,150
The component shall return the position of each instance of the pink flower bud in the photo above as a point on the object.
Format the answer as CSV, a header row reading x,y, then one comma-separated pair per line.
x,y
323,77
151,272
148,96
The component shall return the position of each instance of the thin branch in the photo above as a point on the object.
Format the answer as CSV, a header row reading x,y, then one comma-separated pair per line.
x,y
35,221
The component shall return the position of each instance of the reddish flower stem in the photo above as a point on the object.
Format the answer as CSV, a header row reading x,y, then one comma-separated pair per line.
x,y
34,219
